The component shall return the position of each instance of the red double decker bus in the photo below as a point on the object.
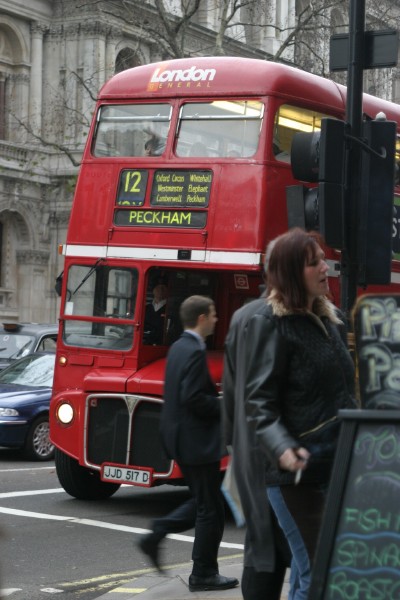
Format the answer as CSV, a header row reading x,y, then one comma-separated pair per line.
x,y
183,182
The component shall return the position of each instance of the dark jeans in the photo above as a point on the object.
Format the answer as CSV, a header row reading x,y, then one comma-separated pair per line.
x,y
205,512
300,572
306,504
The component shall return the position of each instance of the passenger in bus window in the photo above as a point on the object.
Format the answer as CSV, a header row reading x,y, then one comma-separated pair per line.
x,y
289,399
149,147
280,154
154,321
154,146
190,427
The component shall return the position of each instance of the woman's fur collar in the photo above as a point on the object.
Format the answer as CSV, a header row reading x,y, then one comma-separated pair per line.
x,y
322,308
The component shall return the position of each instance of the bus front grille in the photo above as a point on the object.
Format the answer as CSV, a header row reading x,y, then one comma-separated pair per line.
x,y
117,434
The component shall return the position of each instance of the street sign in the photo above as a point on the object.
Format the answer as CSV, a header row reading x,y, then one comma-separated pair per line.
x,y
357,553
381,50
361,525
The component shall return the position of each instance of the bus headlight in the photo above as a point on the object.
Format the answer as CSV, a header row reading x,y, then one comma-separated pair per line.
x,y
65,413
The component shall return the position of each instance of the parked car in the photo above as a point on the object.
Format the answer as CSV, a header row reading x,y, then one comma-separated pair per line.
x,y
25,393
20,339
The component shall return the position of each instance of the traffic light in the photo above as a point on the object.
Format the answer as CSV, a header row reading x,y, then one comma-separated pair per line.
x,y
319,156
376,202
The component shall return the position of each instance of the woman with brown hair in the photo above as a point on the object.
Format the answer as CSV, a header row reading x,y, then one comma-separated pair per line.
x,y
296,374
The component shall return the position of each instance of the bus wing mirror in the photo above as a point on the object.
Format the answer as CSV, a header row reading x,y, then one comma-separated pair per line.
x,y
58,284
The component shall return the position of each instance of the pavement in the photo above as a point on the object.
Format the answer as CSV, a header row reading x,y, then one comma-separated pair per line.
x,y
172,584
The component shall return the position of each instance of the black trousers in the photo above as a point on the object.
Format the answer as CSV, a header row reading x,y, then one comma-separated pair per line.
x,y
205,512
262,585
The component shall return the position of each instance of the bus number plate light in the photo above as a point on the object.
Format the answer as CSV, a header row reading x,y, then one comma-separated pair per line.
x,y
184,254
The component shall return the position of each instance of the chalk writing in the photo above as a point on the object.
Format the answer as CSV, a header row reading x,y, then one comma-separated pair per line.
x,y
365,563
379,447
360,552
377,326
371,519
380,319
344,586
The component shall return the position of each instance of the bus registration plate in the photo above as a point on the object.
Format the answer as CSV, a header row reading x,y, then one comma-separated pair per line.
x,y
122,474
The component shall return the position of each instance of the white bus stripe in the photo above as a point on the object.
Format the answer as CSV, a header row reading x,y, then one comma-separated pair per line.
x,y
208,256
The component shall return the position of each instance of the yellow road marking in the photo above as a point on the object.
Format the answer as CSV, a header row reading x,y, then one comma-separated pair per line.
x,y
129,590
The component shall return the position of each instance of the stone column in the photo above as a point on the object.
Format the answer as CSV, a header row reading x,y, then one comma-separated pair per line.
x,y
17,98
2,106
111,53
72,84
270,32
33,285
36,79
92,59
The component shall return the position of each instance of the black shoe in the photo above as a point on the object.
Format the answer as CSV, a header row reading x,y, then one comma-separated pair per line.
x,y
212,582
149,545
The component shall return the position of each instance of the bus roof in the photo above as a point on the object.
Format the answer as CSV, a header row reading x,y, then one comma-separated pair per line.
x,y
219,76
233,76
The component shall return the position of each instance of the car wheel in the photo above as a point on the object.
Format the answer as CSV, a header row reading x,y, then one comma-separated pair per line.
x,y
37,444
80,482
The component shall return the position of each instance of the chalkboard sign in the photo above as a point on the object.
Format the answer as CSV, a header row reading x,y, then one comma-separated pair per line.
x,y
358,554
377,340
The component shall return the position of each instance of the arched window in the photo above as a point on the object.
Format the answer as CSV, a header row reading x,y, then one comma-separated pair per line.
x,y
13,77
126,59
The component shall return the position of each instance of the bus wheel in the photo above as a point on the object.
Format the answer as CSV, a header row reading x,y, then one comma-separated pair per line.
x,y
80,482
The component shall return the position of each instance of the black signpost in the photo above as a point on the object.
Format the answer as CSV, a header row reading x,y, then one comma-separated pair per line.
x,y
358,554
355,52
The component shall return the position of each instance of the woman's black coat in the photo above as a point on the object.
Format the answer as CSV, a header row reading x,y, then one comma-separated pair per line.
x,y
285,374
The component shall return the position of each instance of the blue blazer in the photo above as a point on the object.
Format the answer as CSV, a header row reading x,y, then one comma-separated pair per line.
x,y
190,419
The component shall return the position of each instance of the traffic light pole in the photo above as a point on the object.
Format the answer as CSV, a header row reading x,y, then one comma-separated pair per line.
x,y
353,162
352,187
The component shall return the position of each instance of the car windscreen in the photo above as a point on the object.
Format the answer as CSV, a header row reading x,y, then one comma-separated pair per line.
x,y
37,371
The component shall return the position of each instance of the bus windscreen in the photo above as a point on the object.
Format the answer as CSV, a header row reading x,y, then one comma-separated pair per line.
x,y
222,128
132,130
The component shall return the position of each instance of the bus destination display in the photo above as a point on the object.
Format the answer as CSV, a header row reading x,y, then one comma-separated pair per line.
x,y
132,187
170,188
161,218
181,188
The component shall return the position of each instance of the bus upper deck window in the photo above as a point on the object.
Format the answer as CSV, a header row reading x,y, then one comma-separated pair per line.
x,y
130,129
223,128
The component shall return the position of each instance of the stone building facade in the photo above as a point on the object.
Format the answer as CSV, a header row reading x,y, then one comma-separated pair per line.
x,y
54,57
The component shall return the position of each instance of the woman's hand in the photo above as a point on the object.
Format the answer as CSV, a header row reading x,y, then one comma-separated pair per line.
x,y
294,459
